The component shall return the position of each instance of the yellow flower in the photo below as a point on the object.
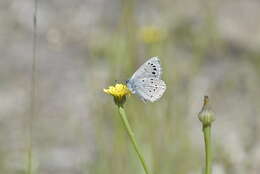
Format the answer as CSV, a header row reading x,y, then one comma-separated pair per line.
x,y
151,34
119,92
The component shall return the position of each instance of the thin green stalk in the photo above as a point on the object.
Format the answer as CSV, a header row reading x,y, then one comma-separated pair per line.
x,y
206,116
208,153
33,89
132,136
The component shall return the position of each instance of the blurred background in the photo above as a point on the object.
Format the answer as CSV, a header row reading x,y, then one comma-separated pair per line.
x,y
206,48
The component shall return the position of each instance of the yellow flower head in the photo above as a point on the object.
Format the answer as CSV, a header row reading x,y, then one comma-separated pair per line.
x,y
119,92
151,34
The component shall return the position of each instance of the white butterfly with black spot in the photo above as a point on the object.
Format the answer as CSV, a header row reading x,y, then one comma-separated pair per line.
x,y
146,81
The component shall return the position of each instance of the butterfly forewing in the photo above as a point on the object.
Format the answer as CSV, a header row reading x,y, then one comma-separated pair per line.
x,y
151,68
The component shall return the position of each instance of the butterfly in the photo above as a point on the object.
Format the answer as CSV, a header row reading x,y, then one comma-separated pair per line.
x,y
146,82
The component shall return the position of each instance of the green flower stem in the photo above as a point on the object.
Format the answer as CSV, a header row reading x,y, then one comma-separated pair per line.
x,y
208,153
132,136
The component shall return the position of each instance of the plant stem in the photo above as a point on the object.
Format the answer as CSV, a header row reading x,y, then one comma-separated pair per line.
x,y
132,136
33,90
208,154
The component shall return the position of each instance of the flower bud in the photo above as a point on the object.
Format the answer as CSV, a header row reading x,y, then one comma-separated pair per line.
x,y
206,115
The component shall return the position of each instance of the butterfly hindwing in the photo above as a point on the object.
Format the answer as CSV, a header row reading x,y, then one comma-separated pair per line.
x,y
150,89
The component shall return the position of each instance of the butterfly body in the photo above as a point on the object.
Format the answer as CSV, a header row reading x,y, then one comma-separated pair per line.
x,y
146,81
